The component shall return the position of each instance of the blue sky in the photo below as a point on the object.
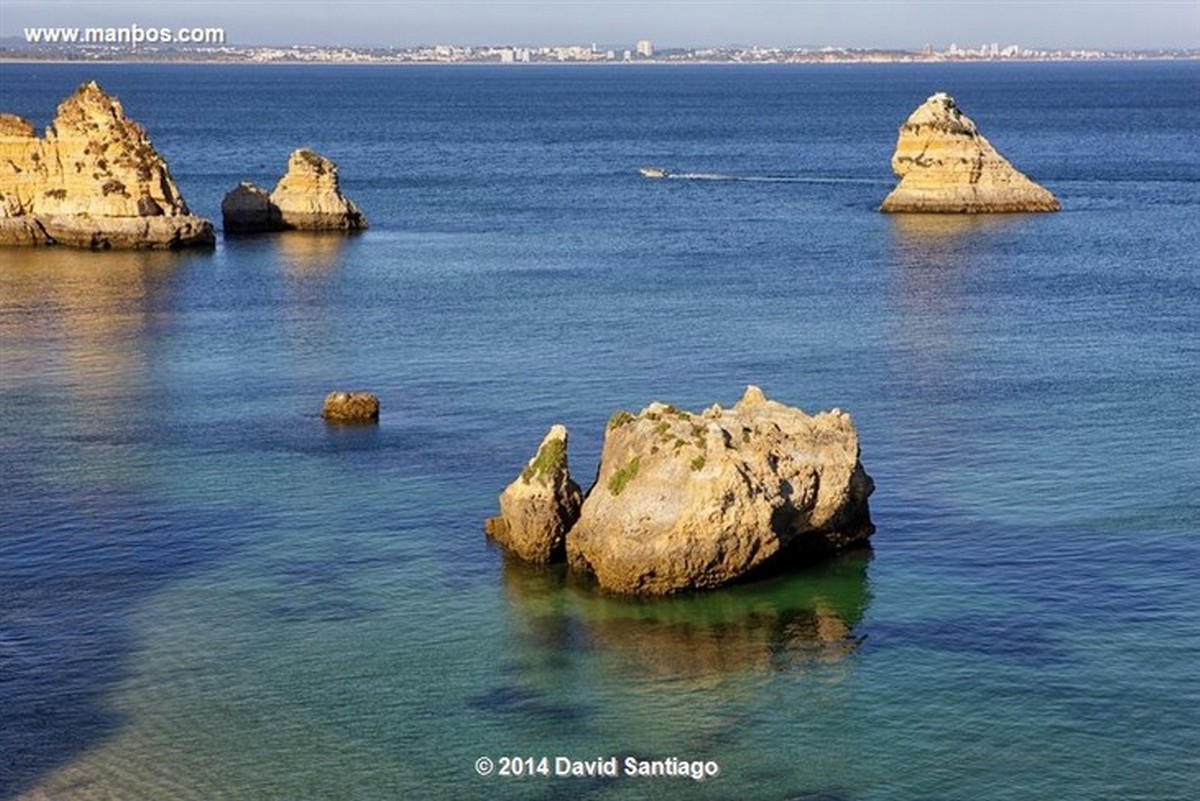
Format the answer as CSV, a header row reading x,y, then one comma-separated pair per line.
x,y
854,23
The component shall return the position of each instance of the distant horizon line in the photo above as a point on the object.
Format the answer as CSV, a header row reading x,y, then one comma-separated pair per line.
x,y
730,46
20,38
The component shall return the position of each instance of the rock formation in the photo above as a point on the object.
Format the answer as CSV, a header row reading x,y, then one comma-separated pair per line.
x,y
248,209
540,506
945,165
93,181
694,501
307,198
686,501
351,407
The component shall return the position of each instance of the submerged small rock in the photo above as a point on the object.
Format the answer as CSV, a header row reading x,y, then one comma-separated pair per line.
x,y
351,407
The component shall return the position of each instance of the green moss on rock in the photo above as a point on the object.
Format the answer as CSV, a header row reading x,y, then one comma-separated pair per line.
x,y
623,476
619,419
550,459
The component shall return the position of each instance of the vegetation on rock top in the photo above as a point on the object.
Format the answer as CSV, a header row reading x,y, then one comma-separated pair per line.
x,y
550,459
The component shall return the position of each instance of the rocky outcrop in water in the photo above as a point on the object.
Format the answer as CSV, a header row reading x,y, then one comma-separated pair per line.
x,y
351,407
690,501
694,501
248,209
93,181
307,198
540,506
946,166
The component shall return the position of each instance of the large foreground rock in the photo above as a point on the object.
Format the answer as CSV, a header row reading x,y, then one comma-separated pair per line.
x,y
691,501
307,198
945,165
540,506
93,181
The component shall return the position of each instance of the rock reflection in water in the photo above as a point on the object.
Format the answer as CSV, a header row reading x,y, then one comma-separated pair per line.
x,y
304,253
935,258
74,320
92,301
76,353
781,624
919,230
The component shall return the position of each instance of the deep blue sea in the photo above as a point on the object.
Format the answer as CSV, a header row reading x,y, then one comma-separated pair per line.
x,y
207,593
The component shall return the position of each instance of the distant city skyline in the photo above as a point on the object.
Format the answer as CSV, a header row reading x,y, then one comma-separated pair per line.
x,y
1110,24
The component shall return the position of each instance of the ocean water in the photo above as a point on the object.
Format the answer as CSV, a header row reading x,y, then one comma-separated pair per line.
x,y
207,593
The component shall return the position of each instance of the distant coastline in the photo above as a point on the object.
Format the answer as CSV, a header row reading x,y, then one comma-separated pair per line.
x,y
8,59
566,55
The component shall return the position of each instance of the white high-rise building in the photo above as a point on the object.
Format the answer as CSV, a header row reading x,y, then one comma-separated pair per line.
x,y
645,48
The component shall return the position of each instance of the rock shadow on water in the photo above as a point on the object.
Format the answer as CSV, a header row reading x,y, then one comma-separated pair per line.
x,y
778,624
1013,639
78,557
340,436
523,703
317,591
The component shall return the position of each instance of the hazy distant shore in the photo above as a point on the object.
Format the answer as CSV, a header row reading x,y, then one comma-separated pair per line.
x,y
15,50
11,59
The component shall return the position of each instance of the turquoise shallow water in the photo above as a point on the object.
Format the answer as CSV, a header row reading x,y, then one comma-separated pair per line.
x,y
206,593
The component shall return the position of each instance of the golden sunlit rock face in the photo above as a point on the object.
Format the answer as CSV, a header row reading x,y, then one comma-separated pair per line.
x,y
93,181
946,166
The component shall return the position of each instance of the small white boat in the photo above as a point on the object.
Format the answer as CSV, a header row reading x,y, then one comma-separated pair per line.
x,y
654,172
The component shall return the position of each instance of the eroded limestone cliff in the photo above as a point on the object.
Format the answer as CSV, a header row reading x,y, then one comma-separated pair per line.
x,y
93,181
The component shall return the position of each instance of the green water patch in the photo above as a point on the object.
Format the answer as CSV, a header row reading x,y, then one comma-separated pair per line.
x,y
769,625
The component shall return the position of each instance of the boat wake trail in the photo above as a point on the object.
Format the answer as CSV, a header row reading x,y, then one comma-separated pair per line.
x,y
776,179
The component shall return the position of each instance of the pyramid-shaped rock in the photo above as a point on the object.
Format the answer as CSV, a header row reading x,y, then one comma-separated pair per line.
x,y
946,166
